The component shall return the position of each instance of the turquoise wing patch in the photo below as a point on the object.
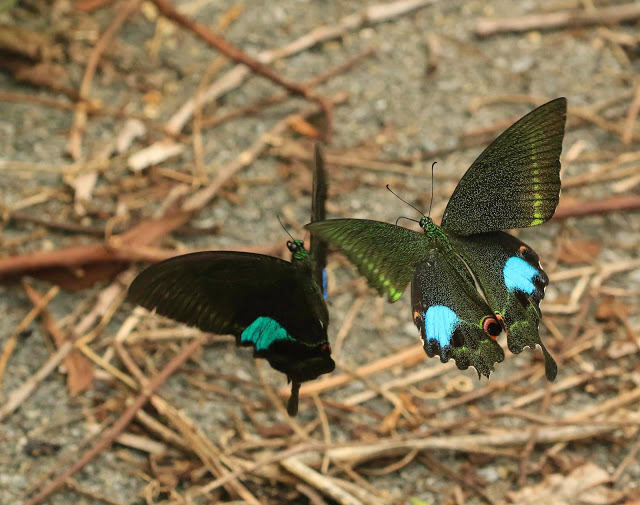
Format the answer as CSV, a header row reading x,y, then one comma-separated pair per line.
x,y
519,275
263,332
440,323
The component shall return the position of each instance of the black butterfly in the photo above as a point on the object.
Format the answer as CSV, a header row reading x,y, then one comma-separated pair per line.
x,y
514,183
273,305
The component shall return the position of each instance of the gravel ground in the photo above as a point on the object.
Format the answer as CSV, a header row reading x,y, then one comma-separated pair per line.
x,y
397,108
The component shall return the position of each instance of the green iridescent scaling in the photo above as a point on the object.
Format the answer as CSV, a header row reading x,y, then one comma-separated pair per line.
x,y
514,183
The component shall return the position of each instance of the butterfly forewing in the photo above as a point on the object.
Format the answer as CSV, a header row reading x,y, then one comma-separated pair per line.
x,y
515,182
224,292
318,247
454,321
513,283
385,254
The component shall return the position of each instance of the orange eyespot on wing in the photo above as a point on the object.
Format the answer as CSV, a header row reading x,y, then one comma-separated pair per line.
x,y
491,327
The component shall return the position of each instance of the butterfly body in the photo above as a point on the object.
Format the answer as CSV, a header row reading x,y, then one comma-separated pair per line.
x,y
514,183
275,306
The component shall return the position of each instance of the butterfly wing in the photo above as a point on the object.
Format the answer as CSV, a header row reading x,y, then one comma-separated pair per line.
x,y
513,283
515,182
216,291
454,321
318,247
385,254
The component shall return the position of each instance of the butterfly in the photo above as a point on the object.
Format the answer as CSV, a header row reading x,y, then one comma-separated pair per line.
x,y
275,306
514,183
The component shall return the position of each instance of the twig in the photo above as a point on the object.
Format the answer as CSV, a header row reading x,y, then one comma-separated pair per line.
x,y
75,137
286,454
11,342
204,448
239,56
464,443
326,431
255,107
56,225
311,494
628,459
320,482
204,196
347,323
145,233
93,108
632,116
79,369
417,376
238,74
112,433
464,481
604,206
606,15
531,443
411,354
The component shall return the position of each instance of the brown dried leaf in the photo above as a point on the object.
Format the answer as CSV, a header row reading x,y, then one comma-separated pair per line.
x,y
606,308
79,368
90,5
49,75
585,484
580,251
610,308
299,125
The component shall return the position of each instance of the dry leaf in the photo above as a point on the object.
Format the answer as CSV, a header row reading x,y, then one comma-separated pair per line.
x,y
610,308
580,251
299,125
79,368
584,485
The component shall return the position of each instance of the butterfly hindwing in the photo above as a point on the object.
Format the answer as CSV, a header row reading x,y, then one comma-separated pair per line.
x,y
513,282
454,321
385,254
515,182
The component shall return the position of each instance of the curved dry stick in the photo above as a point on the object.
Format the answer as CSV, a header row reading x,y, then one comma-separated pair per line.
x,y
232,52
75,138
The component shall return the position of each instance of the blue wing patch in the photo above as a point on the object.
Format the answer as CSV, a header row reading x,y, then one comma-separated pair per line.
x,y
324,283
519,275
263,332
439,324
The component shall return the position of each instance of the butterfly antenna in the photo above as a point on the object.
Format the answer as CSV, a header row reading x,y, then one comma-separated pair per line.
x,y
431,202
415,208
285,230
407,218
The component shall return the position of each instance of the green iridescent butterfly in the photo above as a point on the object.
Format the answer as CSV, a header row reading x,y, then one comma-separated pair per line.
x,y
275,306
514,183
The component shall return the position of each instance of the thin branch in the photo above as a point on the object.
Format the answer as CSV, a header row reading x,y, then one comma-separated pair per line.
x,y
604,206
607,15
